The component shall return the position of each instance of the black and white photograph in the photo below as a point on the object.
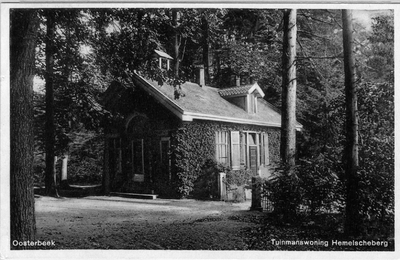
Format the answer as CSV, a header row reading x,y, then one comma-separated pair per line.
x,y
221,130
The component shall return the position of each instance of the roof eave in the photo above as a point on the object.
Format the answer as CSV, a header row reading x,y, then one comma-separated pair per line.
x,y
190,116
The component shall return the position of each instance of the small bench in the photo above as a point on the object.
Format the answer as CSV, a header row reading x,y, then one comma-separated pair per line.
x,y
135,195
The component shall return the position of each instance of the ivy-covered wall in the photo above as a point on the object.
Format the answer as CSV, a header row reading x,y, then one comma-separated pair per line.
x,y
194,143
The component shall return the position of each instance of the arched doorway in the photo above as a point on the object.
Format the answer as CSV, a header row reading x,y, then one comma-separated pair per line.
x,y
137,153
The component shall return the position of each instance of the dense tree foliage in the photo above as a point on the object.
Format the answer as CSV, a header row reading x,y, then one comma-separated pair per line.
x,y
75,84
375,51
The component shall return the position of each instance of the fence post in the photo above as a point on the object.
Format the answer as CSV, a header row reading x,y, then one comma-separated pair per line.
x,y
222,185
256,194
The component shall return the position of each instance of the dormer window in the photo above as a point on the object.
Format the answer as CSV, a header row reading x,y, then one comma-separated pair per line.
x,y
252,103
244,97
164,60
164,64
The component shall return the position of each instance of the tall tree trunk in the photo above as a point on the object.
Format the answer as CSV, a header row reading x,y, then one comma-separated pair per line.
x,y
24,25
66,78
286,207
352,220
288,128
176,42
50,185
206,49
217,66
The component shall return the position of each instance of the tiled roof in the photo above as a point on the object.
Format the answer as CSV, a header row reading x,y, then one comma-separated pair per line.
x,y
241,90
234,91
207,104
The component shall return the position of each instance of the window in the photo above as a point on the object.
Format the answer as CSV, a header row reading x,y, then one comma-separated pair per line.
x,y
137,156
252,139
164,156
264,159
242,149
235,150
164,150
164,64
253,151
221,141
252,104
255,105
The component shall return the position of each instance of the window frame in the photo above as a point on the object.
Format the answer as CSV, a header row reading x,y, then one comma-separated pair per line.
x,y
168,141
134,166
238,141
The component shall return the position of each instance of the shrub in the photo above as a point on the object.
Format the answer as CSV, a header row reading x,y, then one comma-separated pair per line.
x,y
84,171
284,192
312,186
206,185
237,181
85,164
39,167
377,168
239,177
320,185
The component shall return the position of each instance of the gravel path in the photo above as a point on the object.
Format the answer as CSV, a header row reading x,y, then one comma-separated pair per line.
x,y
121,223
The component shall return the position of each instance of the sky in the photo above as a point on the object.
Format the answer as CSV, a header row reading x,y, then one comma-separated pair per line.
x,y
365,16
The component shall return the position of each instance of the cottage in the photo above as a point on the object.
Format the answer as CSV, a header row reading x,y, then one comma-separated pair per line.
x,y
163,142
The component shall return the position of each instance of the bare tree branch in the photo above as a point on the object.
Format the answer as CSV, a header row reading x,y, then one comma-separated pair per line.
x,y
312,34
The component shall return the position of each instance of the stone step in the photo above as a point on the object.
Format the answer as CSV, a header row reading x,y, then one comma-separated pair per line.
x,y
135,195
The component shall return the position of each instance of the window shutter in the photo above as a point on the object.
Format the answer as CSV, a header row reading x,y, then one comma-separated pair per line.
x,y
243,151
235,150
217,146
261,148
266,148
221,147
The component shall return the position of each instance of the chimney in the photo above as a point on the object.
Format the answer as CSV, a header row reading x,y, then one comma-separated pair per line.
x,y
237,81
200,75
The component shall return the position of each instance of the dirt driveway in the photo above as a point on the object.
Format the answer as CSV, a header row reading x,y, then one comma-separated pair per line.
x,y
123,223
